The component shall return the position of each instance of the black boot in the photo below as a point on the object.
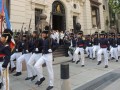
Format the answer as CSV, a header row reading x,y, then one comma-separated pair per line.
x,y
1,84
17,74
49,87
13,69
28,78
106,66
99,63
82,65
77,61
116,60
33,77
41,81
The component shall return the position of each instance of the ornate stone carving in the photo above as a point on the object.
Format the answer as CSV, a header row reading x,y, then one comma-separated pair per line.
x,y
42,23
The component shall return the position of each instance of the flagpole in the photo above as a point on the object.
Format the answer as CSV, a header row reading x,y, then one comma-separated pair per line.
x,y
1,24
2,15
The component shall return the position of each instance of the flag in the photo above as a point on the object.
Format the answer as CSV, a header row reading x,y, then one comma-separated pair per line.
x,y
8,25
1,7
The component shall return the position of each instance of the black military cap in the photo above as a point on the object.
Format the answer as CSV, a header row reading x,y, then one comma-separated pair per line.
x,y
7,34
24,35
113,34
118,34
18,33
45,31
35,32
96,32
103,32
81,32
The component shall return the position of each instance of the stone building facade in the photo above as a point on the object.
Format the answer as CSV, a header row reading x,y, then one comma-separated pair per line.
x,y
65,14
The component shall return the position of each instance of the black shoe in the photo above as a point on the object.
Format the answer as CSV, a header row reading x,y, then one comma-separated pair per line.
x,y
116,60
49,87
1,84
118,57
13,69
93,59
82,65
28,78
90,58
77,61
41,81
36,83
17,74
106,66
73,61
112,58
33,77
99,63
87,56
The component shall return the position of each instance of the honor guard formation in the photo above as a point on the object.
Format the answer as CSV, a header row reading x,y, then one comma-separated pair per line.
x,y
37,49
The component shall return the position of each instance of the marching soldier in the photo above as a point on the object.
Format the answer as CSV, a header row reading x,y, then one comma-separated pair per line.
x,y
89,49
103,50
96,46
35,56
27,52
17,53
72,46
80,48
114,49
5,53
110,43
48,47
118,43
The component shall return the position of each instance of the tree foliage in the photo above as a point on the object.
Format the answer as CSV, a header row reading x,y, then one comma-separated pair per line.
x,y
115,5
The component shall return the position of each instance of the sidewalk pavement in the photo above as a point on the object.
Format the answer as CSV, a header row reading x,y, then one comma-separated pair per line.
x,y
78,75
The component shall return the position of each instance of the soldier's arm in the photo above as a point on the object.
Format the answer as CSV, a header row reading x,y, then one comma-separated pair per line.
x,y
7,53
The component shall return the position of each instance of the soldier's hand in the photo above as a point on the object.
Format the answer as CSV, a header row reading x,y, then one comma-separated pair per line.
x,y
50,50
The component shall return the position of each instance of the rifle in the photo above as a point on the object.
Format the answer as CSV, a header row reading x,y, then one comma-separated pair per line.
x,y
49,31
29,26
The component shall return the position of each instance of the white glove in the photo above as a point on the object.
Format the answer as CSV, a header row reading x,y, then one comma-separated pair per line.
x,y
26,50
16,49
36,49
50,50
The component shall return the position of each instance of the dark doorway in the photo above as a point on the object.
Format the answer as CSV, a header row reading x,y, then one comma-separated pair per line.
x,y
58,23
58,16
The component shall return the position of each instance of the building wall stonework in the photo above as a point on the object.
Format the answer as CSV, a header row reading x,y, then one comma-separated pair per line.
x,y
23,10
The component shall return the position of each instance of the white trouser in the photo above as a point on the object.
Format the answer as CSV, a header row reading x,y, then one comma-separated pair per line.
x,y
58,40
114,52
33,59
95,50
118,50
25,57
76,56
4,78
46,58
13,57
110,52
89,51
105,53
